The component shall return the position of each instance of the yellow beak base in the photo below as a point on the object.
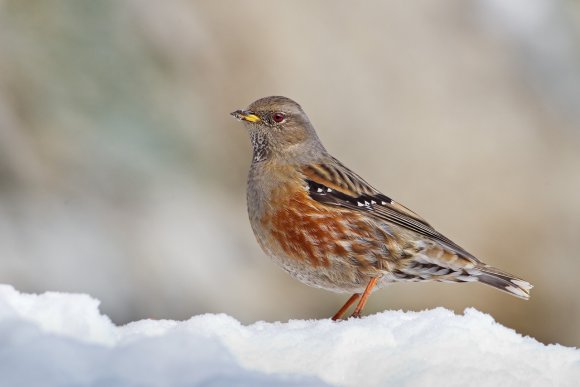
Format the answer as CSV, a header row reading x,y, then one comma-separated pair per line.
x,y
244,115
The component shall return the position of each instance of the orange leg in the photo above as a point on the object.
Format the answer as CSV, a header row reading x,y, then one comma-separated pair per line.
x,y
345,307
364,298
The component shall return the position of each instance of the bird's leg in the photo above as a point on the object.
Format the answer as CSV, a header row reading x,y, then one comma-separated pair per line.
x,y
338,315
364,298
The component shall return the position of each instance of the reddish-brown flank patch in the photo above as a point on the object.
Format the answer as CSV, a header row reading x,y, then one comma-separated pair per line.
x,y
306,230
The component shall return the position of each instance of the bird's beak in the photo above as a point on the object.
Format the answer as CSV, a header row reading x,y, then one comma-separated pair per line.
x,y
245,115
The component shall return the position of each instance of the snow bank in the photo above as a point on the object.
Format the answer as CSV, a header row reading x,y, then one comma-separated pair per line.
x,y
61,339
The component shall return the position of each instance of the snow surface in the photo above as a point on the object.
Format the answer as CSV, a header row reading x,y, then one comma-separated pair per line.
x,y
57,339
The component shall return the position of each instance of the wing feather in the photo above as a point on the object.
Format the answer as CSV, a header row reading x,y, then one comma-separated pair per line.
x,y
335,185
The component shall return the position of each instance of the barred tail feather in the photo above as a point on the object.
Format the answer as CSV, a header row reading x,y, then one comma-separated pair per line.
x,y
504,282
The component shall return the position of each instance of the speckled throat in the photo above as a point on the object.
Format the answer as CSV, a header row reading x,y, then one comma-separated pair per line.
x,y
260,145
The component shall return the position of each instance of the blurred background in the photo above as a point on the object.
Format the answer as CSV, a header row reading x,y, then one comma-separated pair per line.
x,y
122,174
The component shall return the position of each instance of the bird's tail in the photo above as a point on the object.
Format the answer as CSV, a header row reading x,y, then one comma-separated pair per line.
x,y
504,281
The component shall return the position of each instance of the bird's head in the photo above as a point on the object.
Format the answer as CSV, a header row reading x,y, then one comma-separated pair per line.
x,y
279,128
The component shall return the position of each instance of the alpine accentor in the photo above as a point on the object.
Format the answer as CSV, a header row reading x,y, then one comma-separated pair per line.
x,y
329,228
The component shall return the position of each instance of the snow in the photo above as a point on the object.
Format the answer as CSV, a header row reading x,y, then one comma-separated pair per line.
x,y
57,339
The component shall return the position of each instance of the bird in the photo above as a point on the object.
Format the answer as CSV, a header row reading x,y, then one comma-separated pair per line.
x,y
330,229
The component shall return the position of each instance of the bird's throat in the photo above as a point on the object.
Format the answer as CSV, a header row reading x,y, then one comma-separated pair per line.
x,y
260,145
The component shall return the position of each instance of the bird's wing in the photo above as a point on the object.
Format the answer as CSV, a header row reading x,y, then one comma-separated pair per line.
x,y
335,185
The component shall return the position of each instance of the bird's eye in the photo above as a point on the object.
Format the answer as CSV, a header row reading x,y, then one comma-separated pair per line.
x,y
278,117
